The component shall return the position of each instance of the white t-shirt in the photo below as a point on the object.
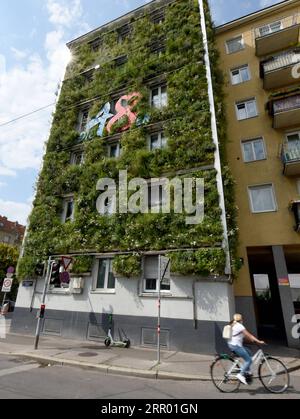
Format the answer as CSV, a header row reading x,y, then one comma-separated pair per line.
x,y
237,335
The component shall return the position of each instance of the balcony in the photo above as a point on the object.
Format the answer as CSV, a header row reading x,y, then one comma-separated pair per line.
x,y
277,36
291,160
285,112
277,71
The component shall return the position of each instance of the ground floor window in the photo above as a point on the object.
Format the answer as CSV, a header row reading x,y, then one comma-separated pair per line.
x,y
151,283
105,277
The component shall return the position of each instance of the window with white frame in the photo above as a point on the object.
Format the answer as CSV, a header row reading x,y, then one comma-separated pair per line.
x,y
262,198
151,283
253,150
114,150
83,119
235,44
246,109
157,141
159,97
270,28
77,158
105,278
68,209
240,74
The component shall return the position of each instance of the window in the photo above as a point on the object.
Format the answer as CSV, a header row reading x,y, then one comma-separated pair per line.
x,y
271,28
159,97
157,141
246,110
262,198
77,158
105,277
158,16
114,150
68,210
235,44
254,150
158,46
123,33
96,44
293,141
121,61
151,275
240,75
83,119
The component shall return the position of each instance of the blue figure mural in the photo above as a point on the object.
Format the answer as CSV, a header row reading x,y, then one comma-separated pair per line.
x,y
100,119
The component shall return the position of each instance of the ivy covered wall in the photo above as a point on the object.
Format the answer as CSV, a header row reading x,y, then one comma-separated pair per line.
x,y
185,122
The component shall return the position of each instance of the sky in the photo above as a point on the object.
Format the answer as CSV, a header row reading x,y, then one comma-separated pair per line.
x,y
33,57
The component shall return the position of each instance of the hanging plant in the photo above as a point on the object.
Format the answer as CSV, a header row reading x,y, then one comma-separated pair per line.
x,y
128,266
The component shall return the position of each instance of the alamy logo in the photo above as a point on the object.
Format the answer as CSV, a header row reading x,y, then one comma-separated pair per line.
x,y
155,196
296,328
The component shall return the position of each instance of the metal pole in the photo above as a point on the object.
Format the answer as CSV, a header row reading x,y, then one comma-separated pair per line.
x,y
218,166
4,298
159,310
47,279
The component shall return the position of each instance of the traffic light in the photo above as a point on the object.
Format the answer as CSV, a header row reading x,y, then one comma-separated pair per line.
x,y
39,269
55,277
42,311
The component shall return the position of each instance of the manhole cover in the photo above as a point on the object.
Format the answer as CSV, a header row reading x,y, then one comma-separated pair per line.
x,y
88,354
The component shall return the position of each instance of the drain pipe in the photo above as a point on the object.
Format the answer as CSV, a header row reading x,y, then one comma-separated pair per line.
x,y
217,158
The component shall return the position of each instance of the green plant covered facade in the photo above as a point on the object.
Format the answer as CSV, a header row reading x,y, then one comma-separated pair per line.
x,y
186,123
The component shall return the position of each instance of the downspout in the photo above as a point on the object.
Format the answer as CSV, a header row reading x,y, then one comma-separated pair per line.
x,y
217,159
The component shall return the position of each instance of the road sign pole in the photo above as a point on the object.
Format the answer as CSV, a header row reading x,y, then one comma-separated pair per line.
x,y
47,280
159,309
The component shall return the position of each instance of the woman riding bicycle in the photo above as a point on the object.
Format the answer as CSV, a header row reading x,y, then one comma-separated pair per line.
x,y
236,344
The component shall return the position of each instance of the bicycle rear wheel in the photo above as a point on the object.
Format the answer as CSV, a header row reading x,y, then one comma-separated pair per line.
x,y
273,375
219,375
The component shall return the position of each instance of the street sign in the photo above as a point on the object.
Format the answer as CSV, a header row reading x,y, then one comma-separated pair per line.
x,y
165,270
7,284
27,283
66,261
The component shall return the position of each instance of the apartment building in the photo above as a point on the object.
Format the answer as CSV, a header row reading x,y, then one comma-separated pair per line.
x,y
260,56
135,99
11,232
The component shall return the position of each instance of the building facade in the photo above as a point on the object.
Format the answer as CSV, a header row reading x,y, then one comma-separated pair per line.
x,y
260,56
134,104
11,232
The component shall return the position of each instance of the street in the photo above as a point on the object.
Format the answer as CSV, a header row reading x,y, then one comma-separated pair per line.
x,y
21,379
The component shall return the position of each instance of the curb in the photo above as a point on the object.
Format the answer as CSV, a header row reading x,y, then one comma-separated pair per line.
x,y
115,370
109,369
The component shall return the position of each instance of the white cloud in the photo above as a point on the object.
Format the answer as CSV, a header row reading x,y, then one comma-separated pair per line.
x,y
64,13
15,211
18,54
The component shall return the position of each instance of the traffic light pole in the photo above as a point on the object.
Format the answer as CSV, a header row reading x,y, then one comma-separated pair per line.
x,y
47,280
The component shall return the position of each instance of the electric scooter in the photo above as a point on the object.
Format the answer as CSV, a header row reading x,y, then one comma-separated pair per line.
x,y
124,342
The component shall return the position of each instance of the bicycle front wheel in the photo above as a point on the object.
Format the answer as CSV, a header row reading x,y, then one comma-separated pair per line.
x,y
219,371
274,376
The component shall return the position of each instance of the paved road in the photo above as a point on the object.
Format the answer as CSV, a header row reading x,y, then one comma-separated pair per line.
x,y
21,379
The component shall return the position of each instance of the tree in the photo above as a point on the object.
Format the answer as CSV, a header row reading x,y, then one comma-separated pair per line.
x,y
8,257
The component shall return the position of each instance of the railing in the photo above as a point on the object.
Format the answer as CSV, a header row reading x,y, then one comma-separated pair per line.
x,y
290,154
287,104
287,22
281,61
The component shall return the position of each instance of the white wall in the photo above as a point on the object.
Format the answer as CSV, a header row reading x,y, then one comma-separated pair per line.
x,y
214,300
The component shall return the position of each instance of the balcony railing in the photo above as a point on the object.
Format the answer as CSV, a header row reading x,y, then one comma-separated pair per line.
x,y
277,71
285,111
291,160
277,35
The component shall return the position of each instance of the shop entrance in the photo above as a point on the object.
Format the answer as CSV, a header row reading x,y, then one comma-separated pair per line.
x,y
269,315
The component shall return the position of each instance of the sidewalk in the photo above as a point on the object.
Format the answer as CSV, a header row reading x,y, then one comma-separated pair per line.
x,y
138,362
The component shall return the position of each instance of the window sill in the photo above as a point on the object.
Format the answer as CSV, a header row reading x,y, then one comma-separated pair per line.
x,y
164,295
60,291
113,292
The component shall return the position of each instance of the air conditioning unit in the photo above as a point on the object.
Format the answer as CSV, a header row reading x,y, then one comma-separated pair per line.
x,y
77,285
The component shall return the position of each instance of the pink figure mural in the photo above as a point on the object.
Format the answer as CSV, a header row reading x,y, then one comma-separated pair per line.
x,y
124,108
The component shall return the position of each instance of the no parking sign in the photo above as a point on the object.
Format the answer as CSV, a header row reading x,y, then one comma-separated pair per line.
x,y
7,284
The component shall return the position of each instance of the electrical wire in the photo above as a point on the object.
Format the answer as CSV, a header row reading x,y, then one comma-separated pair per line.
x,y
26,115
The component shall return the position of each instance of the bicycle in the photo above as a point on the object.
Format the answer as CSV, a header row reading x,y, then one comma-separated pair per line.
x,y
272,373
